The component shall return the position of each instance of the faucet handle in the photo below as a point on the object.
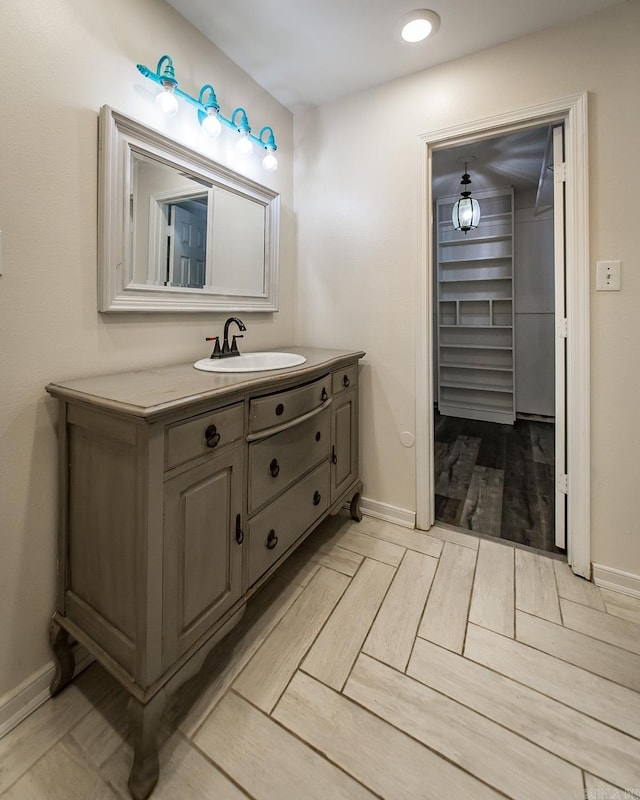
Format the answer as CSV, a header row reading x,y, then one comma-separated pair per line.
x,y
216,347
234,346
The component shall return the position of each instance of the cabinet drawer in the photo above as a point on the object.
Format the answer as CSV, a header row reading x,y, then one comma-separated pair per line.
x,y
343,379
275,462
276,409
276,528
207,433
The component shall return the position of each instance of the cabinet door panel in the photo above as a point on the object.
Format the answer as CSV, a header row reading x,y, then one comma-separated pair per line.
x,y
202,571
344,465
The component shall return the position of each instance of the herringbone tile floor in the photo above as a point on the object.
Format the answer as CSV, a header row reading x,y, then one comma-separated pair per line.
x,y
379,662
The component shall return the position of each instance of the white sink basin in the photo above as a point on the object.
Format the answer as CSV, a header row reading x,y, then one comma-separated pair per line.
x,y
250,362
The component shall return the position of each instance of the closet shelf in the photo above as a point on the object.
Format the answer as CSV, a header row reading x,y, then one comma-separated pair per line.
x,y
476,280
503,216
487,325
479,405
480,368
484,259
476,346
500,237
477,387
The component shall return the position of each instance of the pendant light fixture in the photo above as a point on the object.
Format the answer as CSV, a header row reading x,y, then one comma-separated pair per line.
x,y
465,214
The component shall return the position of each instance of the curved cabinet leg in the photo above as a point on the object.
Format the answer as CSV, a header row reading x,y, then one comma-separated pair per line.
x,y
355,505
144,722
63,657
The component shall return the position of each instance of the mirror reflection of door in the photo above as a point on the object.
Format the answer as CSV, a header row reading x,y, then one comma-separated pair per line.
x,y
187,233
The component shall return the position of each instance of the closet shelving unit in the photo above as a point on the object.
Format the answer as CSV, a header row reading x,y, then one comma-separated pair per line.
x,y
475,308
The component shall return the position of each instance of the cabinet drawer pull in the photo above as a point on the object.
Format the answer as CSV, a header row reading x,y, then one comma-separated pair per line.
x,y
279,410
317,497
334,457
212,436
274,468
318,436
324,395
239,531
272,540
345,381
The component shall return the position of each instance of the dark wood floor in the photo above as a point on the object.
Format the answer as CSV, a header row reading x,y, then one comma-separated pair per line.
x,y
497,479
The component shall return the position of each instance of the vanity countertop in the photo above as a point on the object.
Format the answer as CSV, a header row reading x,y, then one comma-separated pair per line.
x,y
158,390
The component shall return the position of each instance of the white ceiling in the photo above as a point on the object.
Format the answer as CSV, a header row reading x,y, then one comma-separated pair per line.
x,y
515,159
306,53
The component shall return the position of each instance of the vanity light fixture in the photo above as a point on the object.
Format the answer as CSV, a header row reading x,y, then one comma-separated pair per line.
x,y
166,99
418,25
210,117
465,214
209,114
239,119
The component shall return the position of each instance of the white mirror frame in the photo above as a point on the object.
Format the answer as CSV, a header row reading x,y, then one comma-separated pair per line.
x,y
119,138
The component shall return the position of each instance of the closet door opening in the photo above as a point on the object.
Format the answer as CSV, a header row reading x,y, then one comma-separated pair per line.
x,y
499,370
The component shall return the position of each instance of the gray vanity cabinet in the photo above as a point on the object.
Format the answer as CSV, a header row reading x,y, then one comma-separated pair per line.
x,y
180,493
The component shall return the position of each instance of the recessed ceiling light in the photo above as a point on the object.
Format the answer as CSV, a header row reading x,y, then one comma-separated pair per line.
x,y
417,25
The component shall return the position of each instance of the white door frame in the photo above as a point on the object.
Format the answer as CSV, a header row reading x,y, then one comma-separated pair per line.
x,y
572,111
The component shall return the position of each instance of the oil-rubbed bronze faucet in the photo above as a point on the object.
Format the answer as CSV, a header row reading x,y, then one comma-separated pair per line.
x,y
226,351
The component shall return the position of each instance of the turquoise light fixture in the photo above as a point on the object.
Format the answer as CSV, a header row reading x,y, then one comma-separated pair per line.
x,y
209,115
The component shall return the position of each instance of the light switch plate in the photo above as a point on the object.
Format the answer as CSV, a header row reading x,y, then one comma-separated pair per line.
x,y
608,276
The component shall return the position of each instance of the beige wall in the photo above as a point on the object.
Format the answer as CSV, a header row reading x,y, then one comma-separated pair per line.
x,y
61,60
356,195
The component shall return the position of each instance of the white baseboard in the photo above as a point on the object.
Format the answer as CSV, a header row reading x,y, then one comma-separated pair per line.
x,y
34,691
616,580
401,516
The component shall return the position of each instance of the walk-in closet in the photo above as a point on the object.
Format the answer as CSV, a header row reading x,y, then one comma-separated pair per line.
x,y
494,315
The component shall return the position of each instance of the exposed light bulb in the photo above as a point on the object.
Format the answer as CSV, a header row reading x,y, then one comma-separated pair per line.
x,y
211,125
167,100
244,145
270,162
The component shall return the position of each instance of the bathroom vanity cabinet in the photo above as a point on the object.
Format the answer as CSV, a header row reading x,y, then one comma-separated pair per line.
x,y
180,493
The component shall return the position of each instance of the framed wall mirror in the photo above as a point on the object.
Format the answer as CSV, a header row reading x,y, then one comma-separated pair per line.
x,y
178,231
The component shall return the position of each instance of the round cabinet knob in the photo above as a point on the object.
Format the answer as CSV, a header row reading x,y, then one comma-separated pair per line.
x,y
318,436
212,436
324,395
317,497
279,410
274,468
272,540
345,381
